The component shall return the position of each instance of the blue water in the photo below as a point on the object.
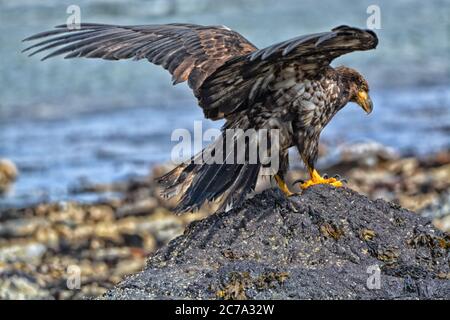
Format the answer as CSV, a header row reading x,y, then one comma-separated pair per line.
x,y
66,121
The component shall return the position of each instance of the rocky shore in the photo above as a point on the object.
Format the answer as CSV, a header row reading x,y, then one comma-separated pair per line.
x,y
108,240
40,245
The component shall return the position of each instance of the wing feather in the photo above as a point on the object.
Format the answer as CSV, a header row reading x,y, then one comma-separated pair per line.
x,y
205,48
249,77
226,72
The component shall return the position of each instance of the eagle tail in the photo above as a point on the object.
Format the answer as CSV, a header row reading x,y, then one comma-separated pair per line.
x,y
199,182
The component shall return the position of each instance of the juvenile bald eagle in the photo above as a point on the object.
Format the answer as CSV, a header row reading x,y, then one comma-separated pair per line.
x,y
289,86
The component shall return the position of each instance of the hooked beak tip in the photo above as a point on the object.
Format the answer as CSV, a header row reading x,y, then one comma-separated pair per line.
x,y
368,106
365,102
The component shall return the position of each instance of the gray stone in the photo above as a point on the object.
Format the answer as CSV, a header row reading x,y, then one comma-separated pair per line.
x,y
17,287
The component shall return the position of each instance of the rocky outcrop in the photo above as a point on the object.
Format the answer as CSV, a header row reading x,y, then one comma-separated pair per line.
x,y
324,244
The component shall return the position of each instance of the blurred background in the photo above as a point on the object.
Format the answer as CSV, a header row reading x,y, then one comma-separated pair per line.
x,y
79,132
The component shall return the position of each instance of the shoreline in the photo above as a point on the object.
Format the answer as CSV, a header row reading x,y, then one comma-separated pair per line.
x,y
110,239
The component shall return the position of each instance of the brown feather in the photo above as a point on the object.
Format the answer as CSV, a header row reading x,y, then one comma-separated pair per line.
x,y
166,45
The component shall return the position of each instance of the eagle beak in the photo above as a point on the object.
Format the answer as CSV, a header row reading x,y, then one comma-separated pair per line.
x,y
364,101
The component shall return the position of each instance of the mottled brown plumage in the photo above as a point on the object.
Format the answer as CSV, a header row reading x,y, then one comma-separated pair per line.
x,y
288,86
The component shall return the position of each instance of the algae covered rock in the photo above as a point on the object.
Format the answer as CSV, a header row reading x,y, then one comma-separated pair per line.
x,y
324,244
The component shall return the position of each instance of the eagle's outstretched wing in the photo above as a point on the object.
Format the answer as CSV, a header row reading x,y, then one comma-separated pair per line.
x,y
189,52
242,80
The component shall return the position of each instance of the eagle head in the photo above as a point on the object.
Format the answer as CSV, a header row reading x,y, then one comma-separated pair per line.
x,y
357,87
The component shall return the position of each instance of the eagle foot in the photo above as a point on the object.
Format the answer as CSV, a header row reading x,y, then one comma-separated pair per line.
x,y
316,178
283,186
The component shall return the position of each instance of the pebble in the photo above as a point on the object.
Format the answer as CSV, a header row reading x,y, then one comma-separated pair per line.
x,y
31,252
8,174
21,288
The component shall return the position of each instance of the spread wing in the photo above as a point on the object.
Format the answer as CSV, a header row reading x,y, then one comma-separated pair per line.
x,y
189,52
242,80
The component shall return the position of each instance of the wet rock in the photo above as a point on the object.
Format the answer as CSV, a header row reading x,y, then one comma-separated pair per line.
x,y
437,205
439,211
8,174
21,288
21,227
139,208
39,244
326,243
364,154
443,224
30,252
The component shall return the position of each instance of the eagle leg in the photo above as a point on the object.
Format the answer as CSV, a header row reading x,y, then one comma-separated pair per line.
x,y
316,178
283,186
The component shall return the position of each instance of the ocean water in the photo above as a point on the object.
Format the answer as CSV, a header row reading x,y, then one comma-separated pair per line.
x,y
67,121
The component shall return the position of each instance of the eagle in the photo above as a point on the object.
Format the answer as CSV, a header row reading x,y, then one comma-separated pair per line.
x,y
289,87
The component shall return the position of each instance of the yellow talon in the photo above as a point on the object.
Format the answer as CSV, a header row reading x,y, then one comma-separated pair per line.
x,y
317,179
283,186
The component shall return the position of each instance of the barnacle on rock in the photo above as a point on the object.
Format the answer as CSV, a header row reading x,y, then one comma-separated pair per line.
x,y
388,255
270,279
329,230
235,288
239,282
367,234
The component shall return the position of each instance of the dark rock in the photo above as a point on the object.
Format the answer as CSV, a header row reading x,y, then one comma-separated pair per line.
x,y
325,244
